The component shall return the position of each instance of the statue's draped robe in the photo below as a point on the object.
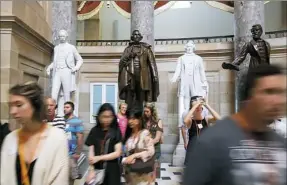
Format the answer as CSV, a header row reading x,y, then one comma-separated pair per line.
x,y
149,84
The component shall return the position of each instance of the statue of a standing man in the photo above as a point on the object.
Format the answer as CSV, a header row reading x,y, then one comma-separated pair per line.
x,y
191,72
138,75
257,48
66,62
259,51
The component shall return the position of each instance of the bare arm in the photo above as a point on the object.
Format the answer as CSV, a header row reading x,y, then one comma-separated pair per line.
x,y
91,151
215,116
80,140
114,155
158,133
183,132
187,121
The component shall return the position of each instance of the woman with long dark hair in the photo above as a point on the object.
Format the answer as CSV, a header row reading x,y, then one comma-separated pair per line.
x,y
195,121
140,150
105,135
36,153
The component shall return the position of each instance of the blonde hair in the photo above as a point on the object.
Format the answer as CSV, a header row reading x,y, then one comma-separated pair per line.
x,y
122,103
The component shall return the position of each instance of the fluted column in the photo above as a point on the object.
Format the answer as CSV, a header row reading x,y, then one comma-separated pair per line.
x,y
142,19
64,16
246,14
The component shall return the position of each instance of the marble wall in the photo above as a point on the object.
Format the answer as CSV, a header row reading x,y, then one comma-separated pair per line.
x,y
101,65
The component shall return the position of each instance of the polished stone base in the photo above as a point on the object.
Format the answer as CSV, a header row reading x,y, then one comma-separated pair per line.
x,y
179,156
179,153
170,175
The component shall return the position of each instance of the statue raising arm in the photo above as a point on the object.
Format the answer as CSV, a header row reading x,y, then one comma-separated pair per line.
x,y
238,60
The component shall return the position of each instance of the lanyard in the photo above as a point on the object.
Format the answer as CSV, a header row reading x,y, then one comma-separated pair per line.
x,y
103,143
22,140
197,127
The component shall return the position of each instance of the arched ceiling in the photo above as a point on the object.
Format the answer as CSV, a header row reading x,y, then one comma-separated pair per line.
x,y
87,9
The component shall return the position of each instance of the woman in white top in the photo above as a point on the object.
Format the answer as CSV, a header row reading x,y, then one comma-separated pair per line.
x,y
35,154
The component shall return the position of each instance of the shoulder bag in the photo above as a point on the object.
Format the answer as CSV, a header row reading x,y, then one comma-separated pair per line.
x,y
142,167
97,176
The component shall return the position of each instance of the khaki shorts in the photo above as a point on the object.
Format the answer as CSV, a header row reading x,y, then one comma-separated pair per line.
x,y
74,171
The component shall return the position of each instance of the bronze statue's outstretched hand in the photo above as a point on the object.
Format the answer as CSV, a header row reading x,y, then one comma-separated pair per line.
x,y
230,66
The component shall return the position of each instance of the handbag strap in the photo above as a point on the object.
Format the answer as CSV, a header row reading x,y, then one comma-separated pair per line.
x,y
106,151
137,143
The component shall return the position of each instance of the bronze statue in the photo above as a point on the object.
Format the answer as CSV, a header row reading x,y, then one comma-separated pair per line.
x,y
258,49
138,76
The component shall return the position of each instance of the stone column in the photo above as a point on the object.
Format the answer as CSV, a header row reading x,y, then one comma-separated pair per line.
x,y
246,14
142,19
64,16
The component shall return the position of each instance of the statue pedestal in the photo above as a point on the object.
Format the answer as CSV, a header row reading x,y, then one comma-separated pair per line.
x,y
179,153
60,104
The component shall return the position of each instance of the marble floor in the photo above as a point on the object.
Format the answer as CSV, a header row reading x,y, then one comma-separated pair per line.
x,y
170,175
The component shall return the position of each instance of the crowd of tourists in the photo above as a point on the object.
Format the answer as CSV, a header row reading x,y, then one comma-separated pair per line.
x,y
46,148
237,150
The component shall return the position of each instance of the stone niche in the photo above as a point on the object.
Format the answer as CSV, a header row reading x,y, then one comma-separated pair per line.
x,y
101,65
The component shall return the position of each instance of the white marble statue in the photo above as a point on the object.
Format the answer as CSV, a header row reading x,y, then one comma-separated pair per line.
x,y
192,82
191,73
66,62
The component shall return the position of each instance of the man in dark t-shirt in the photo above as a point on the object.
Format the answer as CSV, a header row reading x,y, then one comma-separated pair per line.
x,y
242,149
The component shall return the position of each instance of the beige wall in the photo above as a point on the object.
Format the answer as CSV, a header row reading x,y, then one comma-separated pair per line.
x,y
101,65
88,29
25,47
37,15
92,29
